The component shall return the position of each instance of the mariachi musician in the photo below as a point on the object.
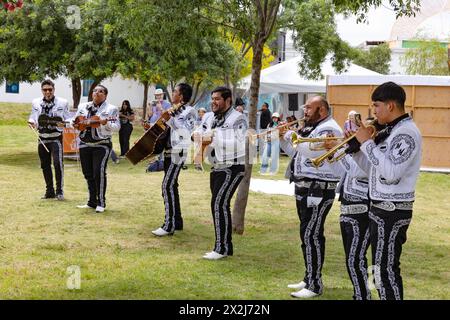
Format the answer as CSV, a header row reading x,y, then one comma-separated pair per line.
x,y
314,192
225,129
96,120
43,116
392,162
354,219
175,142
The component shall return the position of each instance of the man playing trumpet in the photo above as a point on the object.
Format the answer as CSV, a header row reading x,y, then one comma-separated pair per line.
x,y
354,219
392,162
314,191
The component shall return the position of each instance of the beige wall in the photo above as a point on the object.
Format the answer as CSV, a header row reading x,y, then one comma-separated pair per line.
x,y
430,107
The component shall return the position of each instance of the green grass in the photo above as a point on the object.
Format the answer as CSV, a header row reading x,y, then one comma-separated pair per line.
x,y
120,259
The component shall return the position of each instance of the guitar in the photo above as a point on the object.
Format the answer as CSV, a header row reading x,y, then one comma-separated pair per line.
x,y
81,123
45,120
154,140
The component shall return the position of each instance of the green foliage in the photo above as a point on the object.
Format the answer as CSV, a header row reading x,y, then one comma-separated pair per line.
x,y
34,41
376,59
316,37
361,7
165,43
429,58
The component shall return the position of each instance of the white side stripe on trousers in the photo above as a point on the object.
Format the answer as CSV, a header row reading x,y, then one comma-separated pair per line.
x,y
226,213
391,255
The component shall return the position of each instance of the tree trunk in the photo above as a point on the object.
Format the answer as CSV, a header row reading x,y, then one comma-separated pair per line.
x,y
144,102
91,89
242,195
76,92
196,90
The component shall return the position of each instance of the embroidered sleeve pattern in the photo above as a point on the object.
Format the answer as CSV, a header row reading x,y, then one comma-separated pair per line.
x,y
371,156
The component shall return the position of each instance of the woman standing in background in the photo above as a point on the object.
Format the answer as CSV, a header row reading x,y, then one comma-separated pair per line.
x,y
126,116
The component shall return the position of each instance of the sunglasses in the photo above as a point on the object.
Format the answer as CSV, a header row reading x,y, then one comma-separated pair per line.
x,y
47,89
98,90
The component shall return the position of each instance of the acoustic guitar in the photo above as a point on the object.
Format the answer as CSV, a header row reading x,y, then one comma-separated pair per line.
x,y
153,141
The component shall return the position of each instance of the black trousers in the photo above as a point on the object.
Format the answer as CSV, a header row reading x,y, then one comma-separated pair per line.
x,y
124,137
312,220
223,185
94,161
355,237
173,219
387,236
55,147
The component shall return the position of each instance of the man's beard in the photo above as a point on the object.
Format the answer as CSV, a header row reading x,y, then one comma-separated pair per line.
x,y
313,119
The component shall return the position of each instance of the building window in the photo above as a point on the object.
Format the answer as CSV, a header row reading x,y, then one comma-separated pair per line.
x,y
86,86
12,87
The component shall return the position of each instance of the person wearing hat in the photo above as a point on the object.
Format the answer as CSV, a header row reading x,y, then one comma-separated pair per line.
x,y
157,106
272,147
200,114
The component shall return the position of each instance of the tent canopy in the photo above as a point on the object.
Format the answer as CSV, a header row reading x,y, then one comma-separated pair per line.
x,y
284,77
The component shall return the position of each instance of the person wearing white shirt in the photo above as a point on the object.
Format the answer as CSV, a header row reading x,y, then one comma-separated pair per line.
x,y
354,221
225,129
314,192
176,142
51,136
96,120
392,162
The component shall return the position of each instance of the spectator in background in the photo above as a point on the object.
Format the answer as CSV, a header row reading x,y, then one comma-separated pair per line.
x,y
157,106
266,116
239,105
126,116
272,147
200,114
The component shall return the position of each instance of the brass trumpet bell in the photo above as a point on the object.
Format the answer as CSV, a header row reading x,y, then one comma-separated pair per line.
x,y
295,139
330,154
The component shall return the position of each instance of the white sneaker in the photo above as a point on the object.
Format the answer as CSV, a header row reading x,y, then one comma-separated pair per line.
x,y
297,286
160,232
304,293
85,206
214,256
99,209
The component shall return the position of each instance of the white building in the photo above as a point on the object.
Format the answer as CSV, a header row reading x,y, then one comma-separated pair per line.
x,y
119,89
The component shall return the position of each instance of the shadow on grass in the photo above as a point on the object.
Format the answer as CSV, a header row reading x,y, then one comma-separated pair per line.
x,y
20,159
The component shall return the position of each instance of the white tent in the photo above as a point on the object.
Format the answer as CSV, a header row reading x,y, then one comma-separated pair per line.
x,y
284,78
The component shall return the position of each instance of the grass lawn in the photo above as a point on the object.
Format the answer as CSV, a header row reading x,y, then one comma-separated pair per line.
x,y
120,259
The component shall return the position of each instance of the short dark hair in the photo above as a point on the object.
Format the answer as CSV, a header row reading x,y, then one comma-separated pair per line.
x,y
224,92
104,88
239,102
390,91
48,82
185,91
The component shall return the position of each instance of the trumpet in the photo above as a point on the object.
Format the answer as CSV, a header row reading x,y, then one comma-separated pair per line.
x,y
330,154
295,139
281,126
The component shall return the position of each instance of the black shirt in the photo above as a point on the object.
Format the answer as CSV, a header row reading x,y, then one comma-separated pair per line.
x,y
266,118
